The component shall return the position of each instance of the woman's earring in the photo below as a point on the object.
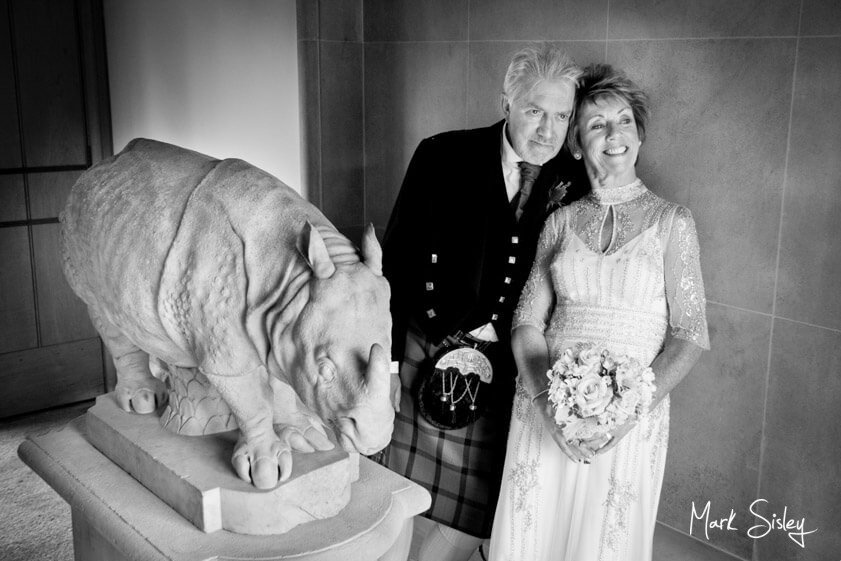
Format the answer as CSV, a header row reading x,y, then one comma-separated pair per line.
x,y
576,155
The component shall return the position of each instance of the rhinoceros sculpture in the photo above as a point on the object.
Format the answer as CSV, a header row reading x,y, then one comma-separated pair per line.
x,y
224,275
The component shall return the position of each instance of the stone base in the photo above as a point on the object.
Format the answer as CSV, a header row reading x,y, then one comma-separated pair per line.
x,y
117,518
194,475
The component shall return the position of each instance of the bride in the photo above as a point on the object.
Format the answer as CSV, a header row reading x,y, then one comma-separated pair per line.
x,y
618,268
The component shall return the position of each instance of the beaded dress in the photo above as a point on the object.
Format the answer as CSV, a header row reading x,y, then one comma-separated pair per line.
x,y
625,297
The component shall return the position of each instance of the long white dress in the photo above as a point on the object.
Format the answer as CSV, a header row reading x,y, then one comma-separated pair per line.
x,y
646,282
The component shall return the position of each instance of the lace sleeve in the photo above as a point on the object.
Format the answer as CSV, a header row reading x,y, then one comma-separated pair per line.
x,y
684,285
537,296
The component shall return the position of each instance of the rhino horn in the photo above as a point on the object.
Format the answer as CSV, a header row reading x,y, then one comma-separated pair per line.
x,y
317,255
377,375
372,253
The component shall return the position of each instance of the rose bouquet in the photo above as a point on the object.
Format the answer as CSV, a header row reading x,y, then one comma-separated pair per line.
x,y
593,391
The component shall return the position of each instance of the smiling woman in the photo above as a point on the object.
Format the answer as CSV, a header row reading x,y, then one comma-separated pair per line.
x,y
611,122
617,269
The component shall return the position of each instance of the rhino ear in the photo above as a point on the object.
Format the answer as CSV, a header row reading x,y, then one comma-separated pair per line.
x,y
372,253
317,256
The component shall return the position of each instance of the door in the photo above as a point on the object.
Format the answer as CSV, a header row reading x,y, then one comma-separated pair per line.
x,y
53,118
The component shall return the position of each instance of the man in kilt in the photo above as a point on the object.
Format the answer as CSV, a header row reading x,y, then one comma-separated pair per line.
x,y
458,247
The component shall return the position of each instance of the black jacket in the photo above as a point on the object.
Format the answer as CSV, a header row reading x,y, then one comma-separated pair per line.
x,y
454,254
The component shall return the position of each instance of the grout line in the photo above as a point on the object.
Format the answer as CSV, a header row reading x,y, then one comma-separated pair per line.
x,y
365,218
700,541
606,31
467,74
773,317
748,310
762,441
319,93
806,324
82,82
614,40
27,201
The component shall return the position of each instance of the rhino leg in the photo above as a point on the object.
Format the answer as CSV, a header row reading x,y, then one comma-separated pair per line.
x,y
137,389
261,456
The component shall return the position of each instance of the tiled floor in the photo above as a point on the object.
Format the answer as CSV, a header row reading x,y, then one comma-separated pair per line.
x,y
35,521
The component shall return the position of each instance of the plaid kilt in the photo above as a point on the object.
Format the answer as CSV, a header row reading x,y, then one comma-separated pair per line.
x,y
461,468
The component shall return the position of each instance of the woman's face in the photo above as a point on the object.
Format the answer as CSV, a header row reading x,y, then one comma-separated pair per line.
x,y
609,139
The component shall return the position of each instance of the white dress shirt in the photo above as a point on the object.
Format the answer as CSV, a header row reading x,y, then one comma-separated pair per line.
x,y
510,165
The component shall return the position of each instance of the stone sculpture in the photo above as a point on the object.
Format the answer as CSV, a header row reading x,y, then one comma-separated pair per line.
x,y
261,313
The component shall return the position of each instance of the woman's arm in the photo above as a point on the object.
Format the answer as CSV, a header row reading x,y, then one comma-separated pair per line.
x,y
531,353
688,336
672,365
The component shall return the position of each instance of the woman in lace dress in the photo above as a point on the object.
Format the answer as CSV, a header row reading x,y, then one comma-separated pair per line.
x,y
618,268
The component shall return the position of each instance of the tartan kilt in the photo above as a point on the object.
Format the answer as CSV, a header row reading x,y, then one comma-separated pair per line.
x,y
461,468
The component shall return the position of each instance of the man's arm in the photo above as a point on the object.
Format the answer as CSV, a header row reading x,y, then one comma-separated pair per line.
x,y
403,240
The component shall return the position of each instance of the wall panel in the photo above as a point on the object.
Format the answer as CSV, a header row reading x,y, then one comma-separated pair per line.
x,y
17,302
50,376
9,139
810,268
62,316
12,198
52,107
48,192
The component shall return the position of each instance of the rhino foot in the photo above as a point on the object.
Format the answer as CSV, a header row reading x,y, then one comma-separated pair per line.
x,y
259,459
141,396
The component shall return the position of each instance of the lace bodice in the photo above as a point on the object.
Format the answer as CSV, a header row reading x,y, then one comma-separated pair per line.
x,y
625,292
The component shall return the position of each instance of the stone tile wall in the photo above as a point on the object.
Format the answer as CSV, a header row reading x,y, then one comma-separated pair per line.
x,y
745,131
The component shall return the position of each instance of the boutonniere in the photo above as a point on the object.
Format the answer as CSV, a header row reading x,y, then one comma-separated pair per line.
x,y
556,195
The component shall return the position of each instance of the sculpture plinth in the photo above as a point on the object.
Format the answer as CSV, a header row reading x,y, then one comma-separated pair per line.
x,y
117,518
192,474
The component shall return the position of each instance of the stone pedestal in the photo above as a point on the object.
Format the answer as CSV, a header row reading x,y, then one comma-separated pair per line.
x,y
116,518
194,475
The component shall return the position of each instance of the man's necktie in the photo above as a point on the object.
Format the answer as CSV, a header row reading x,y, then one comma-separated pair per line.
x,y
528,174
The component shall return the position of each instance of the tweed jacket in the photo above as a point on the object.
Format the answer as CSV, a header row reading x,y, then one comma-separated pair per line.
x,y
453,252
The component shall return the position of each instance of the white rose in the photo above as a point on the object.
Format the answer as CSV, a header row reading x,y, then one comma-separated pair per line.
x,y
592,395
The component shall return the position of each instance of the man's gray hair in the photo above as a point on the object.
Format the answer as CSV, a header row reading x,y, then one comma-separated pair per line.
x,y
535,63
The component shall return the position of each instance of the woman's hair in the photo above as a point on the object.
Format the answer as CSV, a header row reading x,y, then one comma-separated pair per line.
x,y
600,82
535,63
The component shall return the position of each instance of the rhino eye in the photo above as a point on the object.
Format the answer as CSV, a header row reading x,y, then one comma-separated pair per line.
x,y
326,370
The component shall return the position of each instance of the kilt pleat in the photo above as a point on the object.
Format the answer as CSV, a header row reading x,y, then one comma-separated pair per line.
x,y
461,468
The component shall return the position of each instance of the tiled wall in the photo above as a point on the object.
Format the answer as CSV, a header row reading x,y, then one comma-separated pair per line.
x,y
331,80
746,131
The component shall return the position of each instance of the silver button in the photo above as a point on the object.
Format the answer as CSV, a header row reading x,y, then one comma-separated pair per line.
x,y
515,239
501,299
434,258
512,259
431,313
507,280
494,317
430,286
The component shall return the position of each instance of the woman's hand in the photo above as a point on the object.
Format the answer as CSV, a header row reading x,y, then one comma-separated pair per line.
x,y
576,451
602,445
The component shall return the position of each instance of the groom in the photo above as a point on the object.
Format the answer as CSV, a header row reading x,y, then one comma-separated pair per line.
x,y
458,247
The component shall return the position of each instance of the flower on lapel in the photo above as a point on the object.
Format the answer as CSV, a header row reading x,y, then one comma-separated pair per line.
x,y
556,195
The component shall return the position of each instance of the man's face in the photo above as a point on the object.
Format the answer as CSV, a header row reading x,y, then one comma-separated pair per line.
x,y
537,122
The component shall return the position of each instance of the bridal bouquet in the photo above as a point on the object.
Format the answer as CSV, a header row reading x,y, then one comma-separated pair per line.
x,y
593,391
